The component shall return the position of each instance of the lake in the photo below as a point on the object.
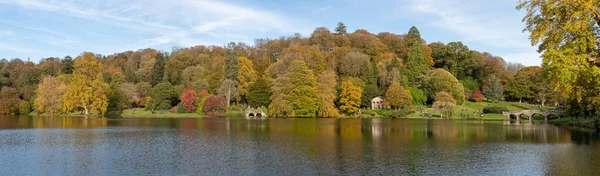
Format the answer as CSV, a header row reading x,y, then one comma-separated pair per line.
x,y
218,146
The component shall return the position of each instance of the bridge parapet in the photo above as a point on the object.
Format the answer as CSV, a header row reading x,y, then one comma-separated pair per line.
x,y
530,113
254,113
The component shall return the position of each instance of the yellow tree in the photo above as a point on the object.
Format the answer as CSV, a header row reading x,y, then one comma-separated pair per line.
x,y
397,97
567,33
350,97
444,103
49,95
87,90
246,75
326,94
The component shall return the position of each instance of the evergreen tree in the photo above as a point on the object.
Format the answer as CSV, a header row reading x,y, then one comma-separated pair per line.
x,y
158,71
494,90
231,63
259,93
66,65
340,29
416,65
413,33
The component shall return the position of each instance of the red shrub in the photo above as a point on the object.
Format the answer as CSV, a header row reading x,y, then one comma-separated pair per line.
x,y
477,96
214,106
190,100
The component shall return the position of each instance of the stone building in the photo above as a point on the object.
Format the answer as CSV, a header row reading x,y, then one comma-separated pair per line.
x,y
377,103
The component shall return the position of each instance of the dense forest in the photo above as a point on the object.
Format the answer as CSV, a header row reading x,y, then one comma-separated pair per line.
x,y
326,74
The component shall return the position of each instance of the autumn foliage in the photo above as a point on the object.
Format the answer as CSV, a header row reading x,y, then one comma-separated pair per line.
x,y
214,106
477,96
190,100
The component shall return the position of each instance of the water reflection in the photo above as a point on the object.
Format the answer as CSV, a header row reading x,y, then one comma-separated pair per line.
x,y
76,146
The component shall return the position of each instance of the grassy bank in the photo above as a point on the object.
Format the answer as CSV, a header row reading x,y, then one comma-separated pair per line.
x,y
141,113
587,123
467,109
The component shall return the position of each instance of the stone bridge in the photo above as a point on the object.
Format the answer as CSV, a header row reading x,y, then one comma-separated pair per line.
x,y
516,115
254,113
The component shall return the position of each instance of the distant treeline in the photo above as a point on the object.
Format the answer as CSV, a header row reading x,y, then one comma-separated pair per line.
x,y
325,75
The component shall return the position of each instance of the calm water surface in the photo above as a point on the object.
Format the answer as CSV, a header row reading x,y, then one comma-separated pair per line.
x,y
76,146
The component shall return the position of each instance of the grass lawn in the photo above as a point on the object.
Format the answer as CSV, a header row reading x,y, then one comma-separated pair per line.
x,y
469,108
141,113
579,122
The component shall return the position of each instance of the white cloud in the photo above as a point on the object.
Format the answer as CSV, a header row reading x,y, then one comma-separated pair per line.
x,y
482,22
15,48
175,22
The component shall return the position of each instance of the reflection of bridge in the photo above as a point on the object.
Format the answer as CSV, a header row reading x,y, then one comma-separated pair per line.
x,y
517,114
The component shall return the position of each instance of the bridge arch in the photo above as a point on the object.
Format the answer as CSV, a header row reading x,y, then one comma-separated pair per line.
x,y
529,114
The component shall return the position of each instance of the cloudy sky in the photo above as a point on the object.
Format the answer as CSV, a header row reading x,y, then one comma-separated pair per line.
x,y
55,28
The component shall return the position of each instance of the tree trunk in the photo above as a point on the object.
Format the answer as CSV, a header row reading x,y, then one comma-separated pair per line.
x,y
228,96
520,99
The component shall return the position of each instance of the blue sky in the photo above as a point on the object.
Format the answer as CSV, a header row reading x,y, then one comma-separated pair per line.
x,y
56,28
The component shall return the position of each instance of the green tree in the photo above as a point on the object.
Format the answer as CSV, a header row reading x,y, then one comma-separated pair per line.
x,y
164,96
158,70
416,64
24,108
418,95
87,89
521,86
350,97
369,92
441,80
455,57
397,98
143,91
231,64
66,65
259,93
414,34
191,74
494,90
303,96
340,29
294,93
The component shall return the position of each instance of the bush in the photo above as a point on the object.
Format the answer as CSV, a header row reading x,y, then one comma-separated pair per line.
x,y
494,110
214,106
190,100
24,108
200,105
477,96
419,97
181,108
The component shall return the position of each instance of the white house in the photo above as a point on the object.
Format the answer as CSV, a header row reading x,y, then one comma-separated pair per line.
x,y
377,103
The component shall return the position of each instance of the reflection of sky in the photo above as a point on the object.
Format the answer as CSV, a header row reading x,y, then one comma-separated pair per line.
x,y
289,147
